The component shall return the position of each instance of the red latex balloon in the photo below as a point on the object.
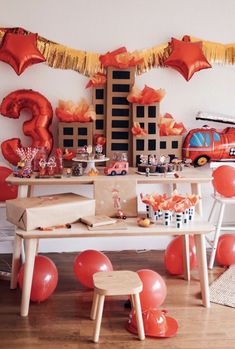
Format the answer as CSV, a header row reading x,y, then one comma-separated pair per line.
x,y
154,289
7,191
45,279
20,51
173,257
186,57
88,263
224,180
37,127
225,253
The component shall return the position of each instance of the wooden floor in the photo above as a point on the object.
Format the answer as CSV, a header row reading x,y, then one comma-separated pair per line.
x,y
63,321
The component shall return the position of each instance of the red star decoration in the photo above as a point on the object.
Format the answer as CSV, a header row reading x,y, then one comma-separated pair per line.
x,y
186,57
20,51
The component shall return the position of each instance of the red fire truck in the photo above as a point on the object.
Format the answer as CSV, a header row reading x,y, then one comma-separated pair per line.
x,y
205,144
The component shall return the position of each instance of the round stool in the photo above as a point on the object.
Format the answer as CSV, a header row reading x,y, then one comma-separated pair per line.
x,y
116,283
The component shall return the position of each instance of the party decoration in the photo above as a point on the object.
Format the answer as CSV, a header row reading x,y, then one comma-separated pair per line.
x,y
224,180
97,80
173,258
68,111
37,127
168,126
7,191
186,57
156,323
225,253
45,279
162,206
20,51
205,144
89,262
137,130
154,289
121,58
88,63
147,96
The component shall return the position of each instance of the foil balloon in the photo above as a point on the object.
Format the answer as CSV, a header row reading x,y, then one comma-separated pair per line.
x,y
186,57
7,191
37,127
20,51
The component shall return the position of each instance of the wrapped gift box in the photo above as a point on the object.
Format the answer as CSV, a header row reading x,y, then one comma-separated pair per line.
x,y
48,211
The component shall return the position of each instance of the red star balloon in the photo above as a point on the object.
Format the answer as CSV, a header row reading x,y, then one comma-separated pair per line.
x,y
186,57
20,51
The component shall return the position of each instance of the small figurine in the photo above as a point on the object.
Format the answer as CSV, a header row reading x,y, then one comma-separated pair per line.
x,y
147,171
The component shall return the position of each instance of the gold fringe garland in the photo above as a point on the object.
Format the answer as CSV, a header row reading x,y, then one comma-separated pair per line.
x,y
88,63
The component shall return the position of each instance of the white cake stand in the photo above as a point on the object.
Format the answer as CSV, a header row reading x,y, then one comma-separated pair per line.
x,y
90,163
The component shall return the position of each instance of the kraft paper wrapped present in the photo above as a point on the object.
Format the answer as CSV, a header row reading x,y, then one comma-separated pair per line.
x,y
48,211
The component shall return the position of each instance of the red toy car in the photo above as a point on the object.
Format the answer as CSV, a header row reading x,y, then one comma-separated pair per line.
x,y
116,168
202,145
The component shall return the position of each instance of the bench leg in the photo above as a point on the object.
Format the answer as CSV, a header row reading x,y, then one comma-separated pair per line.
x,y
202,267
15,261
94,306
31,245
139,318
98,318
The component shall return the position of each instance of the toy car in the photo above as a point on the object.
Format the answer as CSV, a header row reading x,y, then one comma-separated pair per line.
x,y
121,215
116,168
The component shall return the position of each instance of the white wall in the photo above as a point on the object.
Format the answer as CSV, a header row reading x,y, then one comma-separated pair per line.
x,y
105,25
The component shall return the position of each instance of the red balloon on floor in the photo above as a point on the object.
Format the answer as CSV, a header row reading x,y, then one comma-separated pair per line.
x,y
154,289
224,174
173,258
225,253
45,279
7,191
88,263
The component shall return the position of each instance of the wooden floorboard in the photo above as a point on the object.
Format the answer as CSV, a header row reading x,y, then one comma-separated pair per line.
x,y
63,321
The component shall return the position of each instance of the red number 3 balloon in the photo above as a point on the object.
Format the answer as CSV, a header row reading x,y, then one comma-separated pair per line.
x,y
37,127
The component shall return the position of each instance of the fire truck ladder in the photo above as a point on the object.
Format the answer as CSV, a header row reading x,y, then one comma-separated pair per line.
x,y
215,117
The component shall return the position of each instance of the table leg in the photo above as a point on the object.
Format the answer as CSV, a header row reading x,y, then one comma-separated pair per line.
x,y
23,191
196,189
30,191
186,256
15,261
202,267
31,245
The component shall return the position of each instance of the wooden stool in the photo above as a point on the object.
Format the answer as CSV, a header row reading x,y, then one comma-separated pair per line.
x,y
116,283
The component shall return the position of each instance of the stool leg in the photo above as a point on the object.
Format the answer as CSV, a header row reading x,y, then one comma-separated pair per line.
x,y
94,306
139,318
98,318
216,237
132,301
212,210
